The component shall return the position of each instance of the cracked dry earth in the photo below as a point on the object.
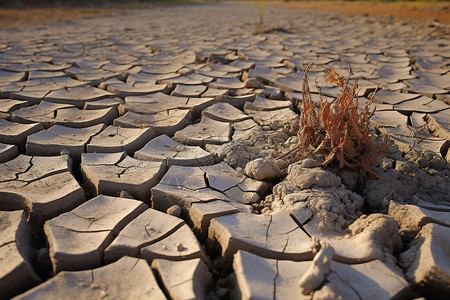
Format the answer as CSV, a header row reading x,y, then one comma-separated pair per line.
x,y
124,142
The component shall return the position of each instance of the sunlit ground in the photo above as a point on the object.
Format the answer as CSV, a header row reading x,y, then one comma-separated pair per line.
x,y
438,10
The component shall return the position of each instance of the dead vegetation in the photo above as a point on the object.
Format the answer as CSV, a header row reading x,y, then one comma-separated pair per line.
x,y
260,4
339,132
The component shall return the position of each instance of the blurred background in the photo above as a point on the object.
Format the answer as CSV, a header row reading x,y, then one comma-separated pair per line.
x,y
110,3
88,3
29,13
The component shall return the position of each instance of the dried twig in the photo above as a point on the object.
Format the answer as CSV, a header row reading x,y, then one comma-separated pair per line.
x,y
339,130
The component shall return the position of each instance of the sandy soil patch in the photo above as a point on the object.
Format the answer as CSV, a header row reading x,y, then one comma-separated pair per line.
x,y
31,17
413,10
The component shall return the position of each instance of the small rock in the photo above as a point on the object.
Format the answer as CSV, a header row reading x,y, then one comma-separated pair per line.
x,y
250,197
387,163
64,152
264,210
253,83
403,167
262,169
180,247
174,210
125,194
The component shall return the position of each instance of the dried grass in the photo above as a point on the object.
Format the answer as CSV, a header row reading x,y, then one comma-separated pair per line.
x,y
339,131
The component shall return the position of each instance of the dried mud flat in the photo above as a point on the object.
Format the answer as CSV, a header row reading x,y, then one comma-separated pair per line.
x,y
125,140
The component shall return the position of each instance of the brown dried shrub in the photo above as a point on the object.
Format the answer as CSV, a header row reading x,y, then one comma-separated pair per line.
x,y
339,131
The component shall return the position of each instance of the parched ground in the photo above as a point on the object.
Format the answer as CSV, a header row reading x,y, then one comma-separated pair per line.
x,y
137,156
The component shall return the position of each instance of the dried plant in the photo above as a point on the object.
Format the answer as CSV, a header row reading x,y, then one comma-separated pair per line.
x,y
260,4
339,131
